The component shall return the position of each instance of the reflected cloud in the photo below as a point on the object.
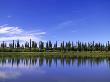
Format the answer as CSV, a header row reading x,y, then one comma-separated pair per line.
x,y
9,75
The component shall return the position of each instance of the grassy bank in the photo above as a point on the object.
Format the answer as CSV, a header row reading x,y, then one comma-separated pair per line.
x,y
94,54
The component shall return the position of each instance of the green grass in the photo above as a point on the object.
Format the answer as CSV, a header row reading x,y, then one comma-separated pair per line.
x,y
95,54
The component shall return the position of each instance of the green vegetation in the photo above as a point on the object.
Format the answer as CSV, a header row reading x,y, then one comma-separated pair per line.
x,y
49,49
38,58
33,46
95,54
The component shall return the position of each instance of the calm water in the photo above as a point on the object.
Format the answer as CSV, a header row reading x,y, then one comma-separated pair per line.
x,y
54,70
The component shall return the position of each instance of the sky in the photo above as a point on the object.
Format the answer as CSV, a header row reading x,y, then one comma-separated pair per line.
x,y
68,20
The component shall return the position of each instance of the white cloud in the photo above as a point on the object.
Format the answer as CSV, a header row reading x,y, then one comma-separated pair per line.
x,y
10,30
8,33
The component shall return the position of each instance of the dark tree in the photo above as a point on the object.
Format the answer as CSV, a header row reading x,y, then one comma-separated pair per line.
x,y
41,45
18,45
10,45
13,43
30,45
50,45
47,46
34,44
26,45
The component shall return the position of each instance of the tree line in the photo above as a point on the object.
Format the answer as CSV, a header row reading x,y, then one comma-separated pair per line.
x,y
33,46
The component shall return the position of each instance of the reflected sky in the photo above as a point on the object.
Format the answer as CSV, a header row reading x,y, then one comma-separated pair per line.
x,y
54,70
8,75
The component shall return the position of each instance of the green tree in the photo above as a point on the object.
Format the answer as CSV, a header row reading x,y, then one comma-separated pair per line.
x,y
41,45
50,45
18,44
3,44
26,45
13,44
47,46
30,45
108,46
34,44
55,46
10,45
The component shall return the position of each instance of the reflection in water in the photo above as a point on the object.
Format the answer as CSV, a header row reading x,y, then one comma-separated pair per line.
x,y
8,75
40,61
54,69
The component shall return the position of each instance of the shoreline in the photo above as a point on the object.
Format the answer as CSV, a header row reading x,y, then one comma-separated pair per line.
x,y
88,54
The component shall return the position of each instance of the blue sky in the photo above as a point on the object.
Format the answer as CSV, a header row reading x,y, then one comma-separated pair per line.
x,y
84,20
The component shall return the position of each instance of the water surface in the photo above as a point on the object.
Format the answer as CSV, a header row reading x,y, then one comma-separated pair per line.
x,y
54,70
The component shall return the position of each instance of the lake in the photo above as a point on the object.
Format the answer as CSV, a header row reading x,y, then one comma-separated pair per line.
x,y
54,70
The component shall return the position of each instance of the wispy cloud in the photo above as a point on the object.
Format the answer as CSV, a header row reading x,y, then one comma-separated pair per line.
x,y
10,30
63,25
73,31
9,16
14,33
69,24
